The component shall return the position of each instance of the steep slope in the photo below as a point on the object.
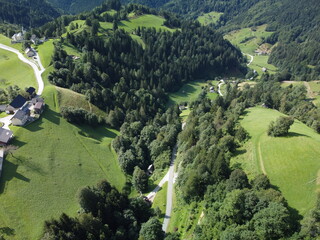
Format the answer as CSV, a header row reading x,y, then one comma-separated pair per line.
x,y
27,13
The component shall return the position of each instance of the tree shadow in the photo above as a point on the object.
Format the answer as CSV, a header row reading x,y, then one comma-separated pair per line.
x,y
51,115
7,231
96,133
8,173
23,161
294,134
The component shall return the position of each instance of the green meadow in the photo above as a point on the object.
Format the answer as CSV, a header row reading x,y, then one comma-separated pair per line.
x,y
292,163
208,18
15,72
160,200
45,52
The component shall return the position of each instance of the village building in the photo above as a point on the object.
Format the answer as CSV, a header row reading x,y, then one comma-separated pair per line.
x,y
36,99
20,117
17,38
17,103
30,52
5,136
264,69
38,107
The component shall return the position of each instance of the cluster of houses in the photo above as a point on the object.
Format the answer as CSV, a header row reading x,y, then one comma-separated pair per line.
x,y
20,37
24,110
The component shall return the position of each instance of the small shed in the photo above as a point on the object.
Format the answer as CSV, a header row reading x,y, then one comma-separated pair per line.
x,y
30,52
31,91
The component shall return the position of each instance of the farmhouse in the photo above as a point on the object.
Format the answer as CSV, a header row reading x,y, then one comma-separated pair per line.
x,y
17,38
17,103
5,136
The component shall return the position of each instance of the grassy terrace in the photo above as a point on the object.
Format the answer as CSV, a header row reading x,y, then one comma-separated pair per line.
x,y
292,163
15,72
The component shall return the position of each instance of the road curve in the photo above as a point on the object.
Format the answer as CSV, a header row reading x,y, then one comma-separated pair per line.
x,y
35,68
219,88
251,58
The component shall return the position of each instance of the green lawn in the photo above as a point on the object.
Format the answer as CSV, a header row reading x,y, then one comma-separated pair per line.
x,y
292,163
15,72
208,18
54,160
45,51
190,92
161,200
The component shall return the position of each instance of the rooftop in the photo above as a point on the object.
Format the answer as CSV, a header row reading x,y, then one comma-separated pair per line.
x,y
5,135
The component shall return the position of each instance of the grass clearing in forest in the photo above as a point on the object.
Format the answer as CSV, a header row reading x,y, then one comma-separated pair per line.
x,y
190,91
15,72
54,160
208,18
291,163
45,51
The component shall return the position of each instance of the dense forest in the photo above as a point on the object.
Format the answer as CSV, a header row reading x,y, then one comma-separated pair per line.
x,y
76,6
27,13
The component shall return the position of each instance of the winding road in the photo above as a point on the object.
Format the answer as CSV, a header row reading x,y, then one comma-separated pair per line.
x,y
35,68
219,87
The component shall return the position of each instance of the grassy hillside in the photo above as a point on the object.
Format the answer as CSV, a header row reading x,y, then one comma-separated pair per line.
x,y
67,97
292,163
15,72
208,18
40,180
249,40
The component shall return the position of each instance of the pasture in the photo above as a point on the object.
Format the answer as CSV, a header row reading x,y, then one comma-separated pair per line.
x,y
54,159
292,163
15,72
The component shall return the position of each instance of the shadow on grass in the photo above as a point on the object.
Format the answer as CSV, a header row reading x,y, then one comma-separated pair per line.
x,y
97,133
51,115
35,126
9,172
294,134
18,143
23,161
7,231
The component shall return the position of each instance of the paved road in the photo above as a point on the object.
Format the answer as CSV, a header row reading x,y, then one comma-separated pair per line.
x,y
251,58
170,190
36,70
219,88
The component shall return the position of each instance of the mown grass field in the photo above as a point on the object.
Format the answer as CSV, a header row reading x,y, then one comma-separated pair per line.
x,y
248,40
160,200
15,72
54,160
292,163
208,18
190,91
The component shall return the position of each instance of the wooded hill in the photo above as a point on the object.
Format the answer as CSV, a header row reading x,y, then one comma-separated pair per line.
x,y
27,13
293,22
